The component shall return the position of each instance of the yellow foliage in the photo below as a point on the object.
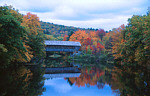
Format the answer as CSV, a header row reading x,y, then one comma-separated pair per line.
x,y
31,22
28,54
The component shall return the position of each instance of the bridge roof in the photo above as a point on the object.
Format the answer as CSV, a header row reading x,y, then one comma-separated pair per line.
x,y
64,43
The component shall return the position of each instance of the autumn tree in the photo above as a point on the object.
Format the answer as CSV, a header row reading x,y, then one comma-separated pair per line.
x,y
21,38
79,36
89,41
35,38
100,33
65,37
117,39
133,43
97,44
136,40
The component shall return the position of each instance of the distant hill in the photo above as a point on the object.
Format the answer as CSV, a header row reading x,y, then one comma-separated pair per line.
x,y
57,32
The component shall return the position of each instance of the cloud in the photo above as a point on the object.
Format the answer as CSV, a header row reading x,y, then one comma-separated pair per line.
x,y
102,22
82,13
59,85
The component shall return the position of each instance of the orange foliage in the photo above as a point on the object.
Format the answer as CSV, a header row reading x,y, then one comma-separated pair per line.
x,y
117,41
31,21
79,36
90,39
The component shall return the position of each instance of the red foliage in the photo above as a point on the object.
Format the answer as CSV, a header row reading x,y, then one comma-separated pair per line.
x,y
88,41
65,38
99,45
101,33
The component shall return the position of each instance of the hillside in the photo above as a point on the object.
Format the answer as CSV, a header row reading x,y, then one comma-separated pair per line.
x,y
57,32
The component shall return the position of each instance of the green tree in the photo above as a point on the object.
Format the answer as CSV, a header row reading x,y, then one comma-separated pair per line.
x,y
11,34
69,34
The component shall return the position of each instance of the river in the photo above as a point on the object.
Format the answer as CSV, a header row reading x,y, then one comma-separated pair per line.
x,y
96,79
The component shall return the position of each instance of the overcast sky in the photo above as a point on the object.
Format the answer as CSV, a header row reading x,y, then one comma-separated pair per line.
x,y
105,14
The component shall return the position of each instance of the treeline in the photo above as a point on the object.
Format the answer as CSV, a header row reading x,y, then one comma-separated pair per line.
x,y
128,44
21,37
57,32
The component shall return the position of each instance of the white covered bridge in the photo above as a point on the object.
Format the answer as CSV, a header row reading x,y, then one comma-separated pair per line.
x,y
62,46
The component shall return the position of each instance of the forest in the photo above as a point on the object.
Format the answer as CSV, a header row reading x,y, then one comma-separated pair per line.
x,y
22,38
57,32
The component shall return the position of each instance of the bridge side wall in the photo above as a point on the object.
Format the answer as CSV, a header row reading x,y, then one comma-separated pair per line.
x,y
62,48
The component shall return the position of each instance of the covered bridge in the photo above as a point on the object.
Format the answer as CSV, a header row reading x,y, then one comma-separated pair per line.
x,y
62,46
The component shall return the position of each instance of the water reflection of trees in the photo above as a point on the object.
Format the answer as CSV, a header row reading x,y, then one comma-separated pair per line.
x,y
21,81
57,62
131,80
91,76
124,80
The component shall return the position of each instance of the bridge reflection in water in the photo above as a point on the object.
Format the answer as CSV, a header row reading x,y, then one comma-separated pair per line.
x,y
61,72
61,75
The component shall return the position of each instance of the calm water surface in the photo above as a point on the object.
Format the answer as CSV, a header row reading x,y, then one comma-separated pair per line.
x,y
92,80
60,87
101,79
